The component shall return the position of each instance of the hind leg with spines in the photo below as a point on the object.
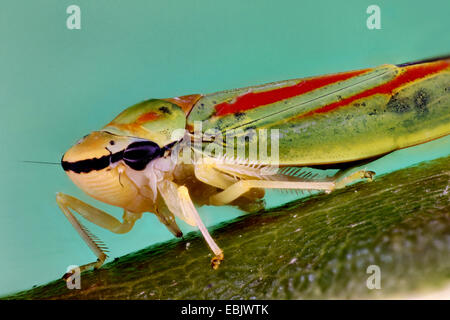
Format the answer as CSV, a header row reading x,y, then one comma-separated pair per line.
x,y
239,188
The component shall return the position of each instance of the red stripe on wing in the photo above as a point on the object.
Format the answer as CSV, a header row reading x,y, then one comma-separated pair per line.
x,y
253,100
411,73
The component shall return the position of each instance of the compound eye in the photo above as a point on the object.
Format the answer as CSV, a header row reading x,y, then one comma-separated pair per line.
x,y
138,154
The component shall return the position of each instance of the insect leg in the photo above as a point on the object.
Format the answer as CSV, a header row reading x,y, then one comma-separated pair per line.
x,y
67,203
236,190
344,178
207,174
277,181
166,217
180,203
189,209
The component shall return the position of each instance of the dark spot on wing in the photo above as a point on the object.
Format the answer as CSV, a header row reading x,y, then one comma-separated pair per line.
x,y
398,105
421,99
239,115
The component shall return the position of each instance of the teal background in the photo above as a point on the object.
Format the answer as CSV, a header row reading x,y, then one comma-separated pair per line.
x,y
57,85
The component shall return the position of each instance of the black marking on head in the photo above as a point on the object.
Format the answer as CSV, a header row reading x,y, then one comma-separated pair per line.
x,y
137,155
85,166
116,157
94,164
165,110
398,105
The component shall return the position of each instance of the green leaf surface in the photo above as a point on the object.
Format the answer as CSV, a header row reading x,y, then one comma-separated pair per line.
x,y
318,247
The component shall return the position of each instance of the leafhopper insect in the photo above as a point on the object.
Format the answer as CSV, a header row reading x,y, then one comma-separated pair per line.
x,y
167,156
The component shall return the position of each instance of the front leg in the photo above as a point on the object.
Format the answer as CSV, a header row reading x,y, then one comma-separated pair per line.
x,y
67,203
180,203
